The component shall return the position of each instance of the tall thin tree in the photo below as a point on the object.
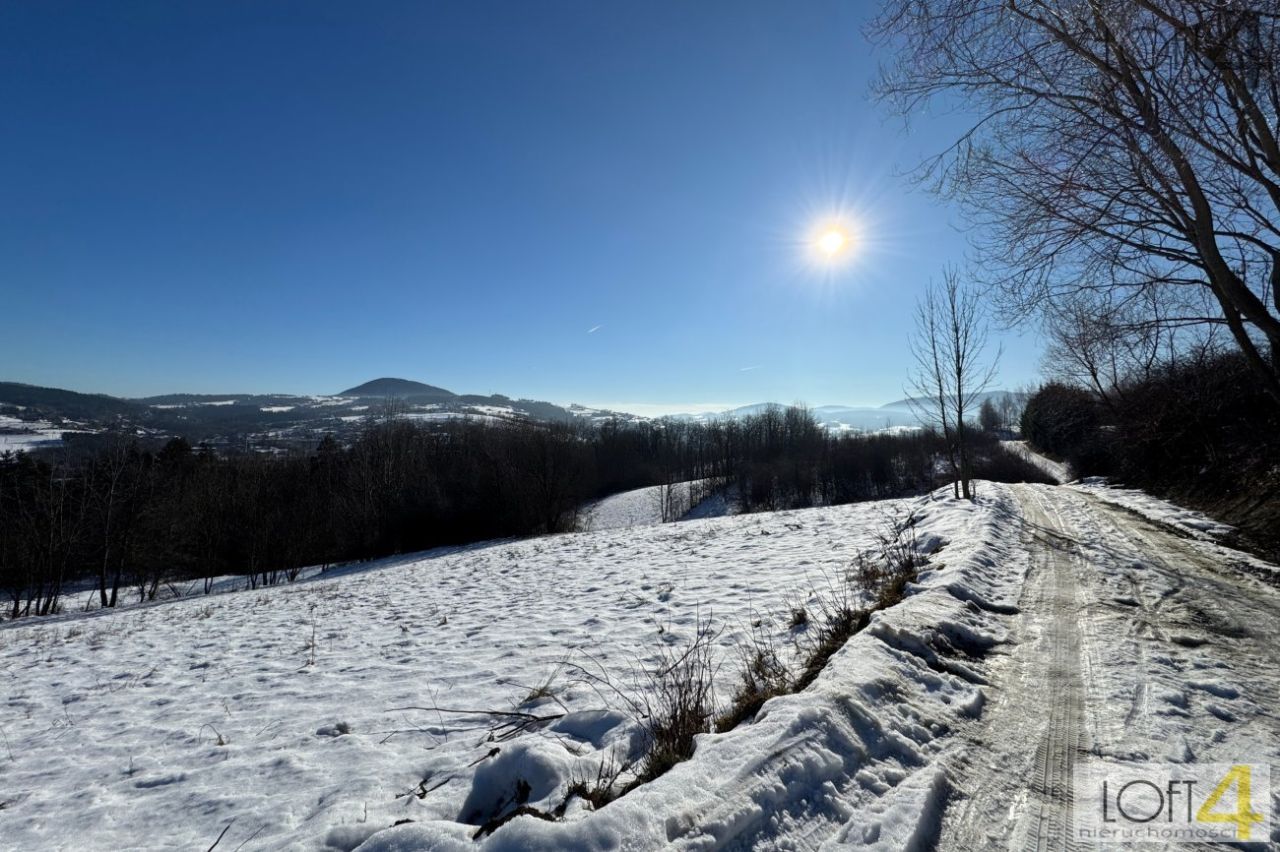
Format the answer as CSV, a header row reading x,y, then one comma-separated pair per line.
x,y
949,377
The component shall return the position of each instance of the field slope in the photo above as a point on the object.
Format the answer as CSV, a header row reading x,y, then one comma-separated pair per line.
x,y
338,713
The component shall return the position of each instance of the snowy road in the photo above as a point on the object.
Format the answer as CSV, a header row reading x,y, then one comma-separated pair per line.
x,y
1132,644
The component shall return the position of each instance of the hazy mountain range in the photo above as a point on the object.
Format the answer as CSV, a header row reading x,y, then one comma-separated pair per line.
x,y
29,412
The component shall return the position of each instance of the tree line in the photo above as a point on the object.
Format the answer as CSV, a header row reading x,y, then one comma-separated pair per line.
x,y
1197,419
1197,428
125,520
1121,174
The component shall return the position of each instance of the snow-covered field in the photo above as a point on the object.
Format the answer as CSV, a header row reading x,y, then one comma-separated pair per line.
x,y
220,709
23,441
1057,470
22,435
329,714
643,506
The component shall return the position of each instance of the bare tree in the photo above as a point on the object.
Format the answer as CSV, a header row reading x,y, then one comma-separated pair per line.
x,y
948,346
1108,347
1098,348
667,496
389,410
115,489
1127,148
1011,405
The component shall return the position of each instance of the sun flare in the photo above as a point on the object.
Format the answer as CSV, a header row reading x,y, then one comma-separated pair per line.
x,y
833,241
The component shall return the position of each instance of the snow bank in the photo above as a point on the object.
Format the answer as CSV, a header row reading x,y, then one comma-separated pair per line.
x,y
1193,523
1204,532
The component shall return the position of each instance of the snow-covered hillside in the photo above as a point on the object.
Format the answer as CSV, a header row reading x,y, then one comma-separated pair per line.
x,y
23,435
641,507
1057,470
350,709
277,709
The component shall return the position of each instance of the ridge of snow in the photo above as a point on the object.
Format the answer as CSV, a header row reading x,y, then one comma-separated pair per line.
x,y
1195,524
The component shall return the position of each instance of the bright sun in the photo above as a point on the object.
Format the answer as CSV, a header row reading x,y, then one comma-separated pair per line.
x,y
833,241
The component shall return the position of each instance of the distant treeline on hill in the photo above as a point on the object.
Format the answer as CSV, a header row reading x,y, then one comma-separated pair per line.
x,y
129,519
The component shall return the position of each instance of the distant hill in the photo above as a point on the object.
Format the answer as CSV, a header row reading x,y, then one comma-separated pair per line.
x,y
177,400
995,396
55,403
833,418
263,422
281,422
399,388
900,414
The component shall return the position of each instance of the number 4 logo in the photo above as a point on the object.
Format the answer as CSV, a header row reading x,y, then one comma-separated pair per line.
x,y
1240,777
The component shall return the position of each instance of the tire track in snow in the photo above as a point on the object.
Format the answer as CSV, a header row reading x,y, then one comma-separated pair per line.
x,y
1133,645
1017,769
1049,826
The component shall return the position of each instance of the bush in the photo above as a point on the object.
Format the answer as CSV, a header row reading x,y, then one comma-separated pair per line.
x,y
1196,419
1200,431
1064,422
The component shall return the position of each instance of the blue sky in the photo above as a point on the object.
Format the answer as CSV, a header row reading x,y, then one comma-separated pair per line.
x,y
296,197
